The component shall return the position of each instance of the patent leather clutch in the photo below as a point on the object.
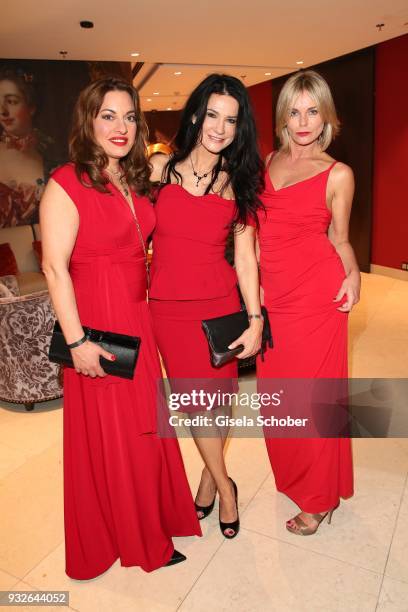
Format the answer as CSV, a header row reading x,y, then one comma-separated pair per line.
x,y
222,331
125,348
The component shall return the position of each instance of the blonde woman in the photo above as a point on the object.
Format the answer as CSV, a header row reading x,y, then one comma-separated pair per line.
x,y
311,281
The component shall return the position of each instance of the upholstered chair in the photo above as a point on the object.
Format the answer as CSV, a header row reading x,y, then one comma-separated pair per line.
x,y
26,374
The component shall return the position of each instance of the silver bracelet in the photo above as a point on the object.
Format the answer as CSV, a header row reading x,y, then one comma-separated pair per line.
x,y
255,316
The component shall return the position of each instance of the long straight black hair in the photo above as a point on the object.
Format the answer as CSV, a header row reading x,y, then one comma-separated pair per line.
x,y
240,160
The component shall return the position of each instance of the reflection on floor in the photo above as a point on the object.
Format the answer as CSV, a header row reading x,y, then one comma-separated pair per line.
x,y
360,562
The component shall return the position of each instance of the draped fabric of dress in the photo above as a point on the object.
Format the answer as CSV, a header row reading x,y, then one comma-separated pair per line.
x,y
125,489
191,281
301,273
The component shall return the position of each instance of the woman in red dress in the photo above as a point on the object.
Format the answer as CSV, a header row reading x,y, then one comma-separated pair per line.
x,y
311,281
210,184
125,489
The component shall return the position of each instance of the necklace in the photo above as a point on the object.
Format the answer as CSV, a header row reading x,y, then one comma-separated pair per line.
x,y
124,186
20,143
198,176
122,180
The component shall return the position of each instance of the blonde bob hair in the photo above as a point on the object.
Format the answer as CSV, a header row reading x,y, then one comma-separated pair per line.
x,y
318,89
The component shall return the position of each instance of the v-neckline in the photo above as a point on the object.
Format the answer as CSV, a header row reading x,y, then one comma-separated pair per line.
x,y
122,197
309,178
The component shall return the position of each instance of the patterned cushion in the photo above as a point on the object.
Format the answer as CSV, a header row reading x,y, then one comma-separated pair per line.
x,y
5,291
11,283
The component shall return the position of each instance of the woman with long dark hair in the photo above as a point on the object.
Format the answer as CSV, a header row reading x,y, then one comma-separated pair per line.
x,y
125,490
209,185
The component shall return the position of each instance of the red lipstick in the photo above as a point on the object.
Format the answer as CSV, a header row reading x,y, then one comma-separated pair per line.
x,y
119,141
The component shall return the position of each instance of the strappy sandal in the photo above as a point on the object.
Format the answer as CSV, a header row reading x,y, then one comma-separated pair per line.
x,y
302,528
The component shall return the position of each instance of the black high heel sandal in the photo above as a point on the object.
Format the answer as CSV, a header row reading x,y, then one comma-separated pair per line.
x,y
176,557
234,526
206,510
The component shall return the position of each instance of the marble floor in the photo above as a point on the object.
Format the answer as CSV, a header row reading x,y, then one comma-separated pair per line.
x,y
360,562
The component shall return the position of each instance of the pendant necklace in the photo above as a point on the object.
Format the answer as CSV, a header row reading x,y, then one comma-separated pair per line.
x,y
124,186
198,176
122,180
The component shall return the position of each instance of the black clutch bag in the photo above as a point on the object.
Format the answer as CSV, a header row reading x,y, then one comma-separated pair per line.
x,y
125,348
221,331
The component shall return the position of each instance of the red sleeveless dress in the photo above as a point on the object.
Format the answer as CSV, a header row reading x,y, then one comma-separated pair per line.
x,y
301,274
190,280
125,489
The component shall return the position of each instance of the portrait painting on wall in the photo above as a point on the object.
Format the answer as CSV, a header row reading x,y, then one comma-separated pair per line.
x,y
36,103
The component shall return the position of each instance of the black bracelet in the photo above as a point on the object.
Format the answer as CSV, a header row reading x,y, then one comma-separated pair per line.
x,y
78,342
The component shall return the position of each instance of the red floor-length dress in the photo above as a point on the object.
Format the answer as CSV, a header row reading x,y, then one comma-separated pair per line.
x,y
125,489
301,273
191,281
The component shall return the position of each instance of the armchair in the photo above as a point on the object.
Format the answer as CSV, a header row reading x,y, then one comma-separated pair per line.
x,y
26,374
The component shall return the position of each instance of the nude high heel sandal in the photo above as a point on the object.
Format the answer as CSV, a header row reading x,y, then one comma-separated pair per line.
x,y
300,527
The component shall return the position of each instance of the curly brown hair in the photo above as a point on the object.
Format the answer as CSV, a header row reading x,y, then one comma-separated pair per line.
x,y
89,157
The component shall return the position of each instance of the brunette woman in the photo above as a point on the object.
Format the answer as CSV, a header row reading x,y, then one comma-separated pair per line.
x,y
209,185
125,489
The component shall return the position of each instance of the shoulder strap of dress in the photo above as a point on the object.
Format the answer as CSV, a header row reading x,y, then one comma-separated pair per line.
x,y
332,164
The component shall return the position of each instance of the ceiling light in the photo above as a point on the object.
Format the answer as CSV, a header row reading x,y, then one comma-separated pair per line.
x,y
156,93
177,73
149,99
300,62
135,54
268,73
169,108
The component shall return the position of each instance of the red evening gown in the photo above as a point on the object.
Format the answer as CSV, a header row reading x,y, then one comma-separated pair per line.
x,y
125,489
191,281
301,273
